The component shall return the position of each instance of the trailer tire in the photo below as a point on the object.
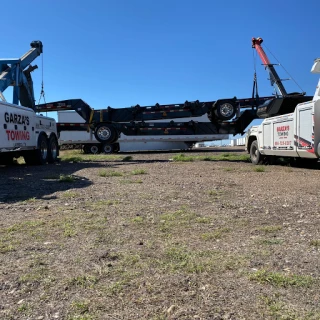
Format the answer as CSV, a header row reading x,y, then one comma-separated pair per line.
x,y
255,155
53,149
107,148
94,149
40,155
224,110
106,133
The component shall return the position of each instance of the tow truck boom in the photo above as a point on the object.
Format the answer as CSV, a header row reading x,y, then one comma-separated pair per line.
x,y
283,102
17,73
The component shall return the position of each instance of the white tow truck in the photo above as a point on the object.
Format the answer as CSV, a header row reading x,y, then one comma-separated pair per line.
x,y
295,135
22,131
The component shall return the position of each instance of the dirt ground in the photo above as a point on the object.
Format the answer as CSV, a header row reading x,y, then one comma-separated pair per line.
x,y
147,237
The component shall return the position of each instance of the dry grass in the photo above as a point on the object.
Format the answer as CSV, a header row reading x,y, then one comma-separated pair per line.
x,y
157,240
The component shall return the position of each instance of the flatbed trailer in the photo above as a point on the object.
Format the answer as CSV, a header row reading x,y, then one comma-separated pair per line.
x,y
80,137
108,124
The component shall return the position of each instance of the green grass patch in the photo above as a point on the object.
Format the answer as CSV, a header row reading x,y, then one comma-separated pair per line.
x,y
278,279
270,229
222,157
77,156
183,158
138,171
215,193
6,247
24,226
315,243
69,229
80,307
259,169
128,181
66,178
30,200
84,281
214,235
110,173
180,259
73,159
127,158
138,220
70,194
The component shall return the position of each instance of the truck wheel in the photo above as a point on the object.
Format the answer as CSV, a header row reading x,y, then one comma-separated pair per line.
x,y
107,148
53,149
255,155
40,155
105,133
224,110
94,149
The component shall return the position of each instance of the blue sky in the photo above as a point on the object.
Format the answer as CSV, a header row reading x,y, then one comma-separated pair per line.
x,y
120,53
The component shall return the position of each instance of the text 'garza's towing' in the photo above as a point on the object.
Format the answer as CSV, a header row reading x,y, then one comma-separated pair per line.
x,y
23,132
226,116
291,128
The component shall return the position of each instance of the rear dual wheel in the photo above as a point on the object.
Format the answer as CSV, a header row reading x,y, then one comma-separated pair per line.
x,y
47,151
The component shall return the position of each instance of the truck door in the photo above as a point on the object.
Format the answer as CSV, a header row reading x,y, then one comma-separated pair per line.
x,y
304,136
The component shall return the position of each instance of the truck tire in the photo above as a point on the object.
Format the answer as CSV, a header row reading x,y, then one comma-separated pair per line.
x,y
40,155
255,155
106,133
224,110
107,148
53,149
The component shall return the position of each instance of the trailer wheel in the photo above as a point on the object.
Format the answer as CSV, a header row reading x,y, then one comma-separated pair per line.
x,y
224,110
107,148
255,155
94,149
105,133
40,155
53,149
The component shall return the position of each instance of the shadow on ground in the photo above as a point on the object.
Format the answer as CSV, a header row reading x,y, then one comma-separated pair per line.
x,y
22,182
